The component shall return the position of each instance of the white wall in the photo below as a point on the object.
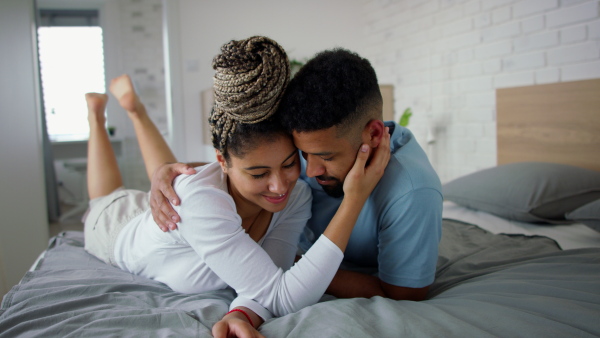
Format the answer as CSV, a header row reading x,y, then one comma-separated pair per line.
x,y
4,286
301,27
447,57
24,226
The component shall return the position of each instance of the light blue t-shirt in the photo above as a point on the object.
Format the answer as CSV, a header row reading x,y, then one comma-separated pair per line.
x,y
400,225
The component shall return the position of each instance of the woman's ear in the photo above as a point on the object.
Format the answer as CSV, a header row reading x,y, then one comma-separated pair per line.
x,y
221,160
373,133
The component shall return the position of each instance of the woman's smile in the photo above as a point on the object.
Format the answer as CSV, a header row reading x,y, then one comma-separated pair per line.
x,y
276,199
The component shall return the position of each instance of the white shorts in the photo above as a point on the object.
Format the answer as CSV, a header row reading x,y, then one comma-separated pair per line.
x,y
107,216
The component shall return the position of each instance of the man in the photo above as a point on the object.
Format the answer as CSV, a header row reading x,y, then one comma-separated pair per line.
x,y
332,106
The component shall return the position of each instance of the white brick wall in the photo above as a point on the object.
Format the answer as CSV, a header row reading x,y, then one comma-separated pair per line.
x,y
141,53
446,58
142,58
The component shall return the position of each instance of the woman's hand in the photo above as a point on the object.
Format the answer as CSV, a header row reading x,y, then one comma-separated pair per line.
x,y
235,324
358,185
161,192
235,327
365,174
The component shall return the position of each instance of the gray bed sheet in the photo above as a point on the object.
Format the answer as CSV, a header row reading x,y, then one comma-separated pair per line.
x,y
486,285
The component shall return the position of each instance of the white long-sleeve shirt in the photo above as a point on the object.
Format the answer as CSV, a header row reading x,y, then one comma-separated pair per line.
x,y
211,251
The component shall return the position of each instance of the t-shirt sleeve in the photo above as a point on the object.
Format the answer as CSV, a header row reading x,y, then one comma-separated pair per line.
x,y
282,241
212,228
409,238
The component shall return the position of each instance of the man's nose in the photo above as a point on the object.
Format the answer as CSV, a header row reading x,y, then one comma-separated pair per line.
x,y
314,167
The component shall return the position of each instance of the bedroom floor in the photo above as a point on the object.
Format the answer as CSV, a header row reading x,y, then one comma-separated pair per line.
x,y
68,224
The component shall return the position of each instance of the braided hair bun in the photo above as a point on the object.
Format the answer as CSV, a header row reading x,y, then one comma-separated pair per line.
x,y
251,76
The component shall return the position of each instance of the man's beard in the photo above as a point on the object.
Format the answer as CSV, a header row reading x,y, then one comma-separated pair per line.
x,y
334,190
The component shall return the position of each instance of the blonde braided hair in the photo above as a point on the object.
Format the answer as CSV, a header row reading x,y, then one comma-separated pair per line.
x,y
251,76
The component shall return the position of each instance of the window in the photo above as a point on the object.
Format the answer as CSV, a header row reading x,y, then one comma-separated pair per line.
x,y
71,64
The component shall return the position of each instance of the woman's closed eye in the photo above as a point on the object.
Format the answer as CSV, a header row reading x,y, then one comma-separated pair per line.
x,y
287,166
259,176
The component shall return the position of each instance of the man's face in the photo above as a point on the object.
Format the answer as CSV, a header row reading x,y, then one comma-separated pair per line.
x,y
328,158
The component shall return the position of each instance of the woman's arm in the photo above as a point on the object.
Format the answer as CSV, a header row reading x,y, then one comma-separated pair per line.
x,y
358,185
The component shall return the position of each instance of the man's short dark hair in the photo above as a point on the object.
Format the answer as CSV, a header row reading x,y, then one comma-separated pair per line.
x,y
335,88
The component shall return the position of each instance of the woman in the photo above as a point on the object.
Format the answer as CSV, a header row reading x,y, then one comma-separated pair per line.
x,y
242,214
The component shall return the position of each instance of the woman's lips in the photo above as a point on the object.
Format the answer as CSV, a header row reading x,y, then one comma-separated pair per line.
x,y
276,199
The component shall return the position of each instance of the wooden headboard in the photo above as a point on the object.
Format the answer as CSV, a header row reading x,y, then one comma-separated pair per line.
x,y
557,123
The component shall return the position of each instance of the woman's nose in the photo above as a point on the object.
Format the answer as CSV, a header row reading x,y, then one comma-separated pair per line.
x,y
278,184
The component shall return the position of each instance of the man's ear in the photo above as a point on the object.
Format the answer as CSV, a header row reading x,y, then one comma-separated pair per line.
x,y
221,160
373,133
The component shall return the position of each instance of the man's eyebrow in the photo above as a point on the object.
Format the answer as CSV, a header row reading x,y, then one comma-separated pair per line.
x,y
323,153
266,167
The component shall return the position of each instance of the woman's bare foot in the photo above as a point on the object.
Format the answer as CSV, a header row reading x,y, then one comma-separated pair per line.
x,y
122,88
96,103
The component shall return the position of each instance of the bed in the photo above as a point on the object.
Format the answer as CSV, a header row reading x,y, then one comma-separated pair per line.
x,y
519,256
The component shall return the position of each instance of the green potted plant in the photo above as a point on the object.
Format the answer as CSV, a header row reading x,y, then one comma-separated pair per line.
x,y
405,118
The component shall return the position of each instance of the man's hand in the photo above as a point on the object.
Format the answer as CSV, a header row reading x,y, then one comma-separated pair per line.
x,y
161,192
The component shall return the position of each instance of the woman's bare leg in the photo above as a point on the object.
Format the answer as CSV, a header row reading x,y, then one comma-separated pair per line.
x,y
103,175
155,149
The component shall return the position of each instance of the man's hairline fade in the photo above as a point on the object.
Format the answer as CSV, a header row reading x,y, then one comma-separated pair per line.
x,y
370,108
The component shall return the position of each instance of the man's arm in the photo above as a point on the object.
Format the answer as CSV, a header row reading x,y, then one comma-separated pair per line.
x,y
350,284
162,194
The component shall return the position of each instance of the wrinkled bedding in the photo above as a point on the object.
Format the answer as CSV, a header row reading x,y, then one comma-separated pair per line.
x,y
486,285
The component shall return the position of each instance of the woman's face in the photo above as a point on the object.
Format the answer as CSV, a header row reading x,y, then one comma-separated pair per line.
x,y
265,176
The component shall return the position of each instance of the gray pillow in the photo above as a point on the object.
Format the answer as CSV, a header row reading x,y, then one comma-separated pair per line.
x,y
588,214
526,191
